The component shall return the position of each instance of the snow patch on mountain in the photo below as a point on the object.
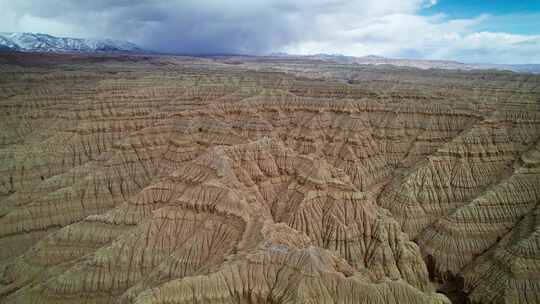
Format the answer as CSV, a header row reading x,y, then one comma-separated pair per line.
x,y
34,42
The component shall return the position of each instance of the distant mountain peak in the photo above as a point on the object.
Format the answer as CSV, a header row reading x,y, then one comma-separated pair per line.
x,y
373,57
39,42
414,63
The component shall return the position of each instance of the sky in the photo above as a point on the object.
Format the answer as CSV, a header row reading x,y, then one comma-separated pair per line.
x,y
480,31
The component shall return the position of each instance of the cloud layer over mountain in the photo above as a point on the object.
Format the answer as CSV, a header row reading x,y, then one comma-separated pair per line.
x,y
394,28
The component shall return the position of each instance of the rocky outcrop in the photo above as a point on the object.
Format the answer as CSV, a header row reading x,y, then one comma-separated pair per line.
x,y
178,180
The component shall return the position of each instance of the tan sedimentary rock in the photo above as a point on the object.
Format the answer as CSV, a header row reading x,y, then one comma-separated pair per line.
x,y
462,169
486,219
508,273
183,180
222,192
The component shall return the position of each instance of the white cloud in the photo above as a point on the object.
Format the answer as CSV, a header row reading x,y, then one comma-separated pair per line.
x,y
430,3
391,28
409,35
29,23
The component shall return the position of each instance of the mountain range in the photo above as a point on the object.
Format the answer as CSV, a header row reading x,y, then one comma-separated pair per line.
x,y
417,63
37,42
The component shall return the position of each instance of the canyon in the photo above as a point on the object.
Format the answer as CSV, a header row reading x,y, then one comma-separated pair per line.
x,y
169,179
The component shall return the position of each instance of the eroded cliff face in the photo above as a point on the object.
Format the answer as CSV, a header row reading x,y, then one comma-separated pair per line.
x,y
179,180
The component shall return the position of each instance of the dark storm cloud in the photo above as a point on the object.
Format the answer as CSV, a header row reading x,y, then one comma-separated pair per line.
x,y
203,26
352,27
206,26
189,28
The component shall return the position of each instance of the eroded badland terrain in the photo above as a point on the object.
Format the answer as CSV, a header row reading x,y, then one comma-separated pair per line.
x,y
250,180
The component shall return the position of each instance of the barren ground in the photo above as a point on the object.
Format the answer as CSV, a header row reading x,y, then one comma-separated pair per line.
x,y
147,179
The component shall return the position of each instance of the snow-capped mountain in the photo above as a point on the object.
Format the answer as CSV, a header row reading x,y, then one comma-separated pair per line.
x,y
31,42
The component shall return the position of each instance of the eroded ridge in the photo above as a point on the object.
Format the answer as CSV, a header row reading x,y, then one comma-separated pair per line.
x,y
183,180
